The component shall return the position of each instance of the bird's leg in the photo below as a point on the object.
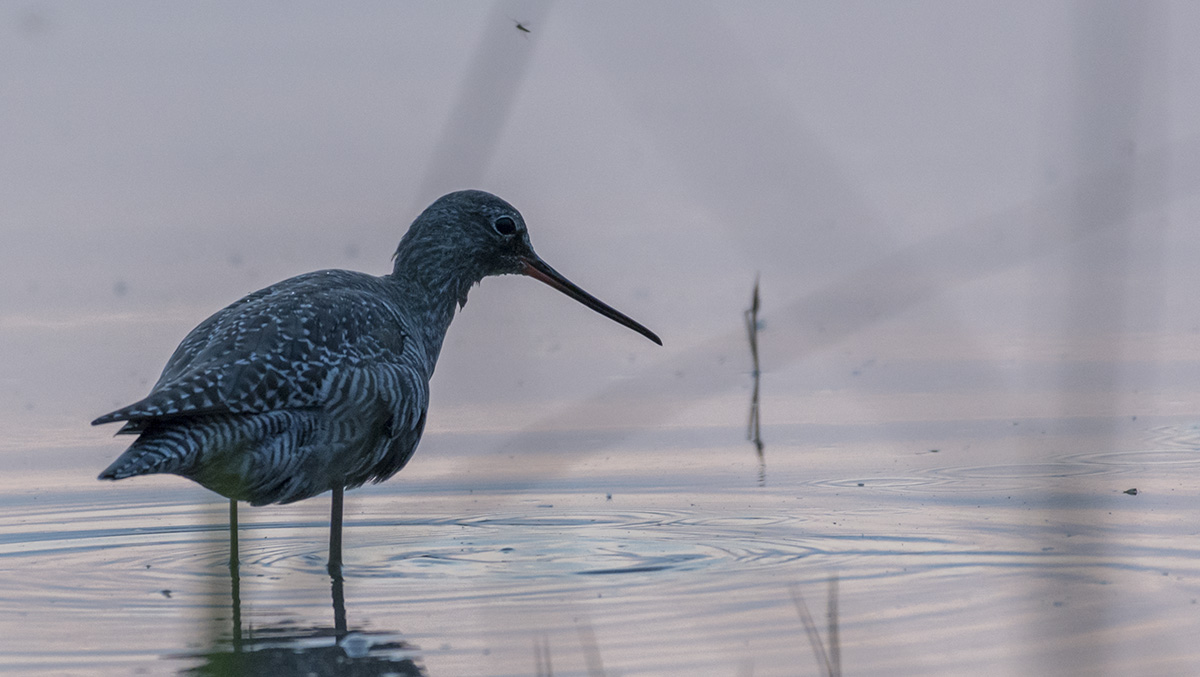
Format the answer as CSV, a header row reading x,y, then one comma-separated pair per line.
x,y
335,533
233,535
235,576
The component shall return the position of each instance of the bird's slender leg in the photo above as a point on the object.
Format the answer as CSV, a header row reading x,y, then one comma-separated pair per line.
x,y
335,561
235,579
335,533
233,534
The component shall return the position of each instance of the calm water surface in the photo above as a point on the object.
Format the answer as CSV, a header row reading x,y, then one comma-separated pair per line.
x,y
668,551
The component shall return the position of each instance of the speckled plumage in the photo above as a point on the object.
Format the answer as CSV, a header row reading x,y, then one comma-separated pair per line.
x,y
313,379
321,381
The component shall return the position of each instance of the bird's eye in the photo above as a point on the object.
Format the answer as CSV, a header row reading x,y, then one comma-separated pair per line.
x,y
505,225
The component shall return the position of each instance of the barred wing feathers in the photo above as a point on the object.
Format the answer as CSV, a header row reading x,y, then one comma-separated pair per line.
x,y
325,339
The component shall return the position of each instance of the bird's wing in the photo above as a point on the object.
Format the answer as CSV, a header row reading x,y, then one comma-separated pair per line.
x,y
305,342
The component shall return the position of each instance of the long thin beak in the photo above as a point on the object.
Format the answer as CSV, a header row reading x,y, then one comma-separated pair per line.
x,y
538,270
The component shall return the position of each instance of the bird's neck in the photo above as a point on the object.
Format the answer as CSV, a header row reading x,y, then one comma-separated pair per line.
x,y
433,288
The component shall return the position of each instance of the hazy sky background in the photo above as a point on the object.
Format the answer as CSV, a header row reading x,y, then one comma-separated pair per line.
x,y
912,180
960,212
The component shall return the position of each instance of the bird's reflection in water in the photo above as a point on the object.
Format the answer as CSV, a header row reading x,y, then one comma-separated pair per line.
x,y
286,649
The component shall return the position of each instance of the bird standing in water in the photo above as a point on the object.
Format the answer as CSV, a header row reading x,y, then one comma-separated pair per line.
x,y
321,382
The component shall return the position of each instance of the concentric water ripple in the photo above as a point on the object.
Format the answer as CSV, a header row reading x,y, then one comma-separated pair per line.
x,y
182,555
1180,436
890,484
1023,471
1138,460
523,546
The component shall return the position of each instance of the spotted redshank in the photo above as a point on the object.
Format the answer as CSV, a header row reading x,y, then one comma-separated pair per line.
x,y
321,382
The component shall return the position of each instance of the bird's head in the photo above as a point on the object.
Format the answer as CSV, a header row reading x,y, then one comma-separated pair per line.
x,y
468,235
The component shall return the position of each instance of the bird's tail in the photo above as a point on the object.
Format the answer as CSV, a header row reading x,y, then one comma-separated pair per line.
x,y
159,449
250,457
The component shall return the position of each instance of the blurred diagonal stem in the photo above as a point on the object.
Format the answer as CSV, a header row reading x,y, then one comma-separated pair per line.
x,y
831,660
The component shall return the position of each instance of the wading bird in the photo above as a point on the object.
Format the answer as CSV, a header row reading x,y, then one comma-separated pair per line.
x,y
321,382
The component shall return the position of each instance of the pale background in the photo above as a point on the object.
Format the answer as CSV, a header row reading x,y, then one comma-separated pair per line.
x,y
959,211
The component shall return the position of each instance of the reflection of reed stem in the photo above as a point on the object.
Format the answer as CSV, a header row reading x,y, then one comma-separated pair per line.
x,y
830,661
591,650
831,619
541,657
751,315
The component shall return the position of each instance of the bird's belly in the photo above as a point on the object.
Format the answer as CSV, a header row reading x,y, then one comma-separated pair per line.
x,y
283,457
